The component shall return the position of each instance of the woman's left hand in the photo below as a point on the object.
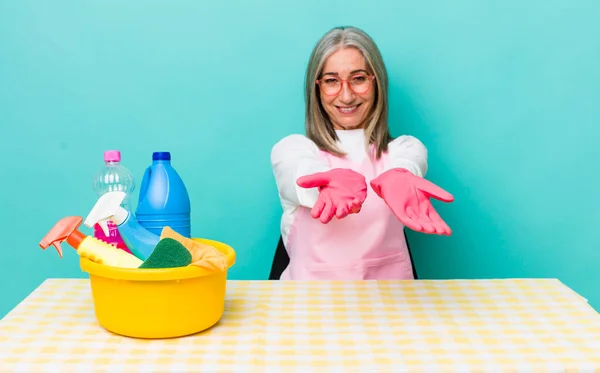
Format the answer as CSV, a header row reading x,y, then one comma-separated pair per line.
x,y
408,196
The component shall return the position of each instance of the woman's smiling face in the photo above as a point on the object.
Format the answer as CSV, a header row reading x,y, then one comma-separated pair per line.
x,y
347,109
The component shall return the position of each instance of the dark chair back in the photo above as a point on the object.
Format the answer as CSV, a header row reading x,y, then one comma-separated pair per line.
x,y
281,260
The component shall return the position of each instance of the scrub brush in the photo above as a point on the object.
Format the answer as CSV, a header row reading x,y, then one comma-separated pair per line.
x,y
168,253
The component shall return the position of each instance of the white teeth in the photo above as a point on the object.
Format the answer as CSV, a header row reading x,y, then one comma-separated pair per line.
x,y
347,109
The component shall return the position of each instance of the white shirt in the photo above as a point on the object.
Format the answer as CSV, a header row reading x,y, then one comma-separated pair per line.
x,y
296,155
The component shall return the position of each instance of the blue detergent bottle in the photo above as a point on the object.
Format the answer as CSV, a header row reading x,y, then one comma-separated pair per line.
x,y
163,199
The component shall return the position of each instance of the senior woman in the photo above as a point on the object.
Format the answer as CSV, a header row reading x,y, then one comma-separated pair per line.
x,y
347,188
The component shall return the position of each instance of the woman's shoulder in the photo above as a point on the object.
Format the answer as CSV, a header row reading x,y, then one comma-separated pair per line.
x,y
405,142
405,139
294,138
293,142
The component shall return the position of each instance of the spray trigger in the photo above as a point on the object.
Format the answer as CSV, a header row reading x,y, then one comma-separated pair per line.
x,y
56,244
64,230
104,225
105,208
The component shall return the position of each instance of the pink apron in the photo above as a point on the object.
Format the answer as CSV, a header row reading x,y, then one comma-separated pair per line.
x,y
369,245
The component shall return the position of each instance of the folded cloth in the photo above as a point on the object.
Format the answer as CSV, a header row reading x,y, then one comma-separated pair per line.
x,y
203,255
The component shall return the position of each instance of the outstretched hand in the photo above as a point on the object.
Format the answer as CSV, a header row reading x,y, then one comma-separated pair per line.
x,y
408,196
341,192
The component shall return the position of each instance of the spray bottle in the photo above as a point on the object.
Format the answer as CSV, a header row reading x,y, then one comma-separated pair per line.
x,y
88,247
138,239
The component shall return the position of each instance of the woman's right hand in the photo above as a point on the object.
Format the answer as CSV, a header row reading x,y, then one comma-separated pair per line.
x,y
341,192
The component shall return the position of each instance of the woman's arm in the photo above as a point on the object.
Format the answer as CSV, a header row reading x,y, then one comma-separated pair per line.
x,y
292,157
409,153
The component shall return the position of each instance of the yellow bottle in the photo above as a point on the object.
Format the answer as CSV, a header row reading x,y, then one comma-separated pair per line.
x,y
87,246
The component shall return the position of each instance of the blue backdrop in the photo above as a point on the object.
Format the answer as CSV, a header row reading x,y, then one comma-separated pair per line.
x,y
505,96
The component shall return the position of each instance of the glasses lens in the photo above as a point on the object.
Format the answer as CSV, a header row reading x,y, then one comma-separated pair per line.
x,y
330,85
360,83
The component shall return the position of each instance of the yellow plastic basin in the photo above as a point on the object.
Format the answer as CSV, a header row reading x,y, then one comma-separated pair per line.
x,y
158,303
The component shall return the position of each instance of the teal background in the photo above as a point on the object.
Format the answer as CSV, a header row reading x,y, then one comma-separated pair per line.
x,y
505,96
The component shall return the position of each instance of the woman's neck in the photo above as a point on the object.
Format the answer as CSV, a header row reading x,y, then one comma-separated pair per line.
x,y
352,142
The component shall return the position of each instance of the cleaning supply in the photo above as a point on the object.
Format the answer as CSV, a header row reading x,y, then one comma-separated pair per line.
x,y
202,254
168,254
108,208
163,199
88,247
113,176
158,303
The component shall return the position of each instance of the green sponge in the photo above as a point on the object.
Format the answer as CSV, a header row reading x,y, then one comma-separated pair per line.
x,y
168,253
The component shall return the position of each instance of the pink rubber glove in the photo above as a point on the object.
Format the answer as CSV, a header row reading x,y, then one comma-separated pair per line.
x,y
341,192
408,195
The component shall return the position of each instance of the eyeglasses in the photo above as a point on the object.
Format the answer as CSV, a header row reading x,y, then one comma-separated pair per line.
x,y
358,83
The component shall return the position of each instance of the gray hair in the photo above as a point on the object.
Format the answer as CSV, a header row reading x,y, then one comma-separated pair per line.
x,y
318,124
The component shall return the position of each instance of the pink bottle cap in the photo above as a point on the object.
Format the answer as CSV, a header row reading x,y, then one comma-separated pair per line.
x,y
112,156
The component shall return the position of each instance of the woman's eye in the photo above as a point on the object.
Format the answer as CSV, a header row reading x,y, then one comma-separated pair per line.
x,y
359,79
330,81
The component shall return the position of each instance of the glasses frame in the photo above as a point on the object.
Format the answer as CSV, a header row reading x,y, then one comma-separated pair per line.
x,y
347,81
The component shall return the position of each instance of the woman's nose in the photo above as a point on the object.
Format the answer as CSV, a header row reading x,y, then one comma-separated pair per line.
x,y
346,95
